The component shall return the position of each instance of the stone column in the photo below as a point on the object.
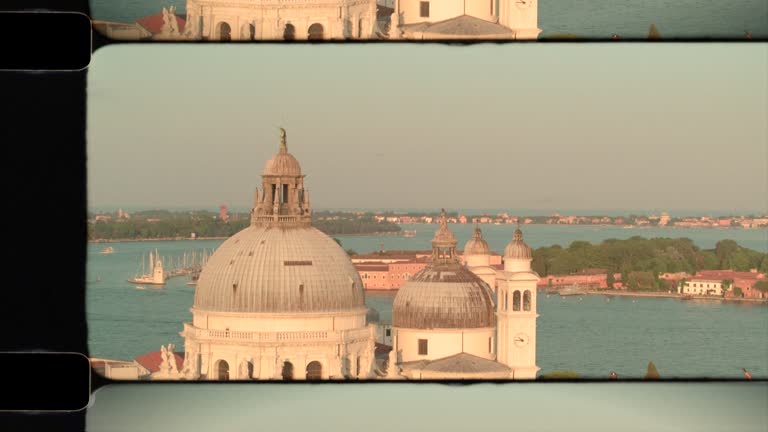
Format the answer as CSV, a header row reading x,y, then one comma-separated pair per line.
x,y
353,372
300,368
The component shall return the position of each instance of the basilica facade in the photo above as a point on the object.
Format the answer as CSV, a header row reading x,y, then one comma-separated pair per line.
x,y
240,20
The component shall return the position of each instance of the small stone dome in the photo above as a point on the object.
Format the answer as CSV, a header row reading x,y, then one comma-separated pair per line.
x,y
283,163
517,249
279,270
444,297
477,245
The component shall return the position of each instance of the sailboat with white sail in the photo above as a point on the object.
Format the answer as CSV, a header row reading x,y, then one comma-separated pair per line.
x,y
156,274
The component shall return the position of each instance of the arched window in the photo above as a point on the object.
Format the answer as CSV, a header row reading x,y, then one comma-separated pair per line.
x,y
516,301
225,31
314,371
527,300
289,33
315,32
222,370
251,31
287,371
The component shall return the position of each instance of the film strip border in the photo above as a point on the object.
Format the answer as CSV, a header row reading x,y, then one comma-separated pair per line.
x,y
45,382
44,40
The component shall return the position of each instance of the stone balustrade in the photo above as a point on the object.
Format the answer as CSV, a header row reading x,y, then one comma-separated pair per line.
x,y
276,337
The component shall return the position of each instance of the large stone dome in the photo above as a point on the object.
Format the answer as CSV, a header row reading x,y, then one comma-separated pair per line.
x,y
443,297
265,269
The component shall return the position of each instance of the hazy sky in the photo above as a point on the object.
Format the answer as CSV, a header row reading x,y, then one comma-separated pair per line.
x,y
545,126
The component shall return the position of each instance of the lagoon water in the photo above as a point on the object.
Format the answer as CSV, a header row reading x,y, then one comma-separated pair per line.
x,y
584,18
591,336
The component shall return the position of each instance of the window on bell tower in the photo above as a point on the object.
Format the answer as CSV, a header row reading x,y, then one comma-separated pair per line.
x,y
516,301
527,300
284,195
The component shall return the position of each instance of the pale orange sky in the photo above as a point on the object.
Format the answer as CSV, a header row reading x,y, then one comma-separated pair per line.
x,y
575,126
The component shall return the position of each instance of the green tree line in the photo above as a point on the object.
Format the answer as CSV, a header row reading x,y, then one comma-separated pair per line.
x,y
170,224
641,260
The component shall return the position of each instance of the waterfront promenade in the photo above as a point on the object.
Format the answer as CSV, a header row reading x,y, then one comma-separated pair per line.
x,y
623,293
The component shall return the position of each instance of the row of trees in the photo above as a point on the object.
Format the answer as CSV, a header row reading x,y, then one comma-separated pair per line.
x,y
640,261
175,224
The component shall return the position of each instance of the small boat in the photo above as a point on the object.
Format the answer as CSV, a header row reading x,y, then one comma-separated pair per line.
x,y
571,291
107,250
687,297
140,287
192,283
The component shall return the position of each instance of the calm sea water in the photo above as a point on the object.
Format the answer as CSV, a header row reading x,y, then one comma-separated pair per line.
x,y
584,18
591,336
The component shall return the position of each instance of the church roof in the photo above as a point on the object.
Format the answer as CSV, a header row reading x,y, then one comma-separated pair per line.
x,y
444,296
464,363
477,245
151,361
461,365
464,25
275,270
154,23
280,264
517,248
282,163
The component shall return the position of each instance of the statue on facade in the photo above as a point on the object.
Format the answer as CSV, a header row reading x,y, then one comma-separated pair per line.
x,y
392,365
173,21
283,136
168,368
243,370
170,28
191,26
190,370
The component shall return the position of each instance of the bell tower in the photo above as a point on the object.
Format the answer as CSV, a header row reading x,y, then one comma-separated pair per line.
x,y
282,200
522,16
516,310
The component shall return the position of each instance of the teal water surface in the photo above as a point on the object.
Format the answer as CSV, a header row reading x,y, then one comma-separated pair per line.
x,y
590,335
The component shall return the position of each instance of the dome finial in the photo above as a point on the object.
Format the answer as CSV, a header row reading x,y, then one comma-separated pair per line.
x,y
283,145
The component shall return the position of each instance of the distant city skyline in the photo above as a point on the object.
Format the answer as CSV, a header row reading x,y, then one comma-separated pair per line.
x,y
561,128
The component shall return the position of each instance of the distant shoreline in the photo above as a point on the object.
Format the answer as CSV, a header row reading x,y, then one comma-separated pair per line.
x,y
614,293
383,233
155,239
668,295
